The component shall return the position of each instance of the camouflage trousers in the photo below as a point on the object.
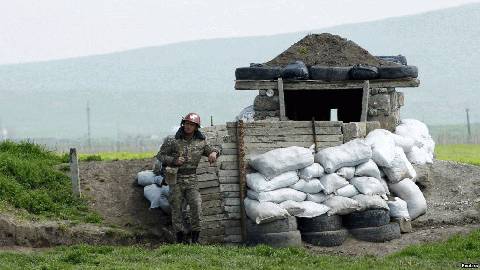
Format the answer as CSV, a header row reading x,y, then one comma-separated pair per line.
x,y
185,188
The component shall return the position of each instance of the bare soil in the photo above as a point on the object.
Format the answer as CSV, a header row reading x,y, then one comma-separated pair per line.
x,y
111,189
327,50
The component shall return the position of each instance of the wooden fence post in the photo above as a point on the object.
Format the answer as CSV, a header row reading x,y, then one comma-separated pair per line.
x,y
74,172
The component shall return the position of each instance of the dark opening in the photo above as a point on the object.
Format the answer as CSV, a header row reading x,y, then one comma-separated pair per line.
x,y
302,105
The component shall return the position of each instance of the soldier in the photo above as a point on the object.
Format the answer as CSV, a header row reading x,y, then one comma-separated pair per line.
x,y
180,157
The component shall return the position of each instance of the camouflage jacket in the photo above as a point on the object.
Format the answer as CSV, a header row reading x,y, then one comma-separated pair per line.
x,y
192,150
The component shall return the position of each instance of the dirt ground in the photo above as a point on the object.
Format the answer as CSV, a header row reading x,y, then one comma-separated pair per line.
x,y
451,190
327,50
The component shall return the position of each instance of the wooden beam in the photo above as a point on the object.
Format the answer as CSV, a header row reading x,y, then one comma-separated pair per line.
x,y
365,95
322,85
74,172
281,98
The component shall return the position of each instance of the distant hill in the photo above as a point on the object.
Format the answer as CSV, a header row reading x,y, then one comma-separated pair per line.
x,y
145,91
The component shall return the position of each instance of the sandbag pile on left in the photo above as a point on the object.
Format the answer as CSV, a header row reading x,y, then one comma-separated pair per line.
x,y
153,190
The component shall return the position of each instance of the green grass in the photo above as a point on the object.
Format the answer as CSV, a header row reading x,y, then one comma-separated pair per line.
x,y
443,255
107,156
28,181
465,153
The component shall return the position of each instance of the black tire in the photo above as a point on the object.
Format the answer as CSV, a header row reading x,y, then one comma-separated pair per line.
x,y
266,103
283,239
377,234
363,73
296,70
258,73
320,223
367,218
398,72
399,59
326,238
329,73
277,226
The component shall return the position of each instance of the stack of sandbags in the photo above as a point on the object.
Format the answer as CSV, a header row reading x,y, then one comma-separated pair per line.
x,y
423,146
153,190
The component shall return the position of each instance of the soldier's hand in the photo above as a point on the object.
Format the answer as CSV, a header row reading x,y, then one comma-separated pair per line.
x,y
179,161
212,157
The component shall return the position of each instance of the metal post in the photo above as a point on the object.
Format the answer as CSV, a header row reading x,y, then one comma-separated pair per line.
x,y
74,172
242,175
211,120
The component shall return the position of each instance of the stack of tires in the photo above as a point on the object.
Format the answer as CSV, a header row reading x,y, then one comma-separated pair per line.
x,y
278,233
323,230
372,225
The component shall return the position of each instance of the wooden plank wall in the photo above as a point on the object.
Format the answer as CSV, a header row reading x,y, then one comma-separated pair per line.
x,y
220,183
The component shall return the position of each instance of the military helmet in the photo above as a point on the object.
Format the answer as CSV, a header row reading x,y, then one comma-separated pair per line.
x,y
192,117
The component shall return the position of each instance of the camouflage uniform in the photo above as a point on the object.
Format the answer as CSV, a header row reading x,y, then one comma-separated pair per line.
x,y
187,184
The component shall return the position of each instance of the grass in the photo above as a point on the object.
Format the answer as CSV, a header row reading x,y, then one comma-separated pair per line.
x,y
465,153
442,255
107,156
29,182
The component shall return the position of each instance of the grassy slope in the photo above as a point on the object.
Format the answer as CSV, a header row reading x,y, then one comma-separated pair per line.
x,y
444,255
29,182
465,153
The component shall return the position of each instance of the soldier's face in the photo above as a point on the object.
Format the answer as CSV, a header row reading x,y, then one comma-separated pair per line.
x,y
189,127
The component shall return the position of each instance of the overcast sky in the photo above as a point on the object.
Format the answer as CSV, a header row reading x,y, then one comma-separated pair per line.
x,y
53,29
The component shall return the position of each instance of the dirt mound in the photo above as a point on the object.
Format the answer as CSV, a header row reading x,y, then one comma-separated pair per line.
x,y
327,50
112,191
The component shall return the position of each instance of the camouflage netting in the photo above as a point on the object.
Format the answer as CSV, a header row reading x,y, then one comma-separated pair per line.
x,y
327,50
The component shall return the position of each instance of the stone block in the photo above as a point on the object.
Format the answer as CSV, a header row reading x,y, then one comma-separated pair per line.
x,y
372,125
353,130
380,102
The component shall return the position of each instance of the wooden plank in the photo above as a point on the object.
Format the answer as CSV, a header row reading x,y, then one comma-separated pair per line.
x,y
288,138
212,211
287,124
293,131
230,173
229,187
228,165
281,99
75,172
323,85
212,197
229,180
232,208
232,201
210,169
209,204
206,177
365,95
208,184
231,194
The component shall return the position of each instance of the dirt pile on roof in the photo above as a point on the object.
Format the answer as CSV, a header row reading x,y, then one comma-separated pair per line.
x,y
327,50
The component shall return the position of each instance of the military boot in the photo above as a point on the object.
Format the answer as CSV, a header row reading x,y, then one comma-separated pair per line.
x,y
180,238
195,236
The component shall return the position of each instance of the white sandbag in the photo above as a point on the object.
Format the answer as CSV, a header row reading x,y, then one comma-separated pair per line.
x,y
383,147
410,193
146,178
258,183
311,186
281,195
278,161
398,208
331,182
368,185
246,115
418,156
341,205
346,172
384,185
347,191
415,128
349,154
312,209
263,212
406,143
313,171
318,197
401,168
293,208
368,168
158,196
252,194
370,202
